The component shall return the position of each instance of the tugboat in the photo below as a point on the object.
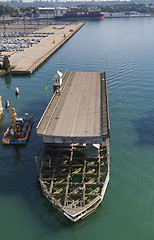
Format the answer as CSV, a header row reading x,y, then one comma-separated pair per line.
x,y
18,132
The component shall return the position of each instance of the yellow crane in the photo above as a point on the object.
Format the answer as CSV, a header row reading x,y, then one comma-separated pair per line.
x,y
14,121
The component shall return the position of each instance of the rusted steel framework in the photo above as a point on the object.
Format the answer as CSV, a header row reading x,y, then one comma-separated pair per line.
x,y
74,177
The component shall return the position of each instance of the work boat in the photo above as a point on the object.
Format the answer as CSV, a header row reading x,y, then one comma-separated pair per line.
x,y
19,130
74,177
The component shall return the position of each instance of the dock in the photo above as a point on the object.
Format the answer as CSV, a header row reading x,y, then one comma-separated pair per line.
x,y
74,166
27,61
80,113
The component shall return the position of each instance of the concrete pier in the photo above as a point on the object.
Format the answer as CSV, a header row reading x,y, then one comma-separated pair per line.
x,y
80,113
27,61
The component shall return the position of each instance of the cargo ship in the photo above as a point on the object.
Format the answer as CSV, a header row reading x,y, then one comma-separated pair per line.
x,y
18,132
74,15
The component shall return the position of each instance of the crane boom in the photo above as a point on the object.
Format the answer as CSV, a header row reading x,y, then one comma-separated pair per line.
x,y
14,121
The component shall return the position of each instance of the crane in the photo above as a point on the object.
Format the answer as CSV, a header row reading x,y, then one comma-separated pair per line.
x,y
14,121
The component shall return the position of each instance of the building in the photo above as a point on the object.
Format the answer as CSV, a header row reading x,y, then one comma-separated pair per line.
x,y
46,12
57,80
114,15
60,11
51,12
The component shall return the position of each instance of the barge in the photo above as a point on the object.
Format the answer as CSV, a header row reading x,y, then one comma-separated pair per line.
x,y
19,130
74,167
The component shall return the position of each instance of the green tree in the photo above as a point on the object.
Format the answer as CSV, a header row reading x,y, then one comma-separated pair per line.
x,y
6,63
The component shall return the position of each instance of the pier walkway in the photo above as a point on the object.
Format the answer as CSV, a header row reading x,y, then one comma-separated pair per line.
x,y
79,114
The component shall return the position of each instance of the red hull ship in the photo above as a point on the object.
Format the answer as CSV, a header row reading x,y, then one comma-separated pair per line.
x,y
73,15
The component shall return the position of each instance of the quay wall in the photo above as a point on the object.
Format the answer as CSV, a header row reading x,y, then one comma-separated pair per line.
x,y
28,61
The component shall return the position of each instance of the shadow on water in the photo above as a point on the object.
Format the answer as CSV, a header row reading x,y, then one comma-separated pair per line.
x,y
7,78
17,151
2,123
54,213
21,76
145,129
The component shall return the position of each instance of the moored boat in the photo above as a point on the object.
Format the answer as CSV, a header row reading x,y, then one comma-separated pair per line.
x,y
7,104
19,130
17,91
74,15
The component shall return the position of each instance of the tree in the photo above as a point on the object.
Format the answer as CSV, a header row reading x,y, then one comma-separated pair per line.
x,y
6,63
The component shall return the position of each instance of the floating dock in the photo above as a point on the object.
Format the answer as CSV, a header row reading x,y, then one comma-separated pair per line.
x,y
27,61
74,167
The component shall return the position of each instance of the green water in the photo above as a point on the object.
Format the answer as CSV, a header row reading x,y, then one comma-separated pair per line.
x,y
124,48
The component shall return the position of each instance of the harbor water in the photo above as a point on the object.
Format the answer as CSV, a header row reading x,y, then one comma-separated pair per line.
x,y
124,49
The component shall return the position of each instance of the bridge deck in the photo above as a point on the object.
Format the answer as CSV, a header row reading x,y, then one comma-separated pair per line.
x,y
76,115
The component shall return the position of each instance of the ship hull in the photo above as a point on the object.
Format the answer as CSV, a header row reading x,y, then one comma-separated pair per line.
x,y
72,15
73,181
78,18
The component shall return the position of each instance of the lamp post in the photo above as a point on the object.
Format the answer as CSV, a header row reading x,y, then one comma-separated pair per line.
x,y
4,27
24,24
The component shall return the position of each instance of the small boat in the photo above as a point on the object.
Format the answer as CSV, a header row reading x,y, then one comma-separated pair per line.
x,y
7,104
17,91
18,132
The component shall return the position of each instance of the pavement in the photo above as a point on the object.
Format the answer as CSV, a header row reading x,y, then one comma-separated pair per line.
x,y
77,113
29,59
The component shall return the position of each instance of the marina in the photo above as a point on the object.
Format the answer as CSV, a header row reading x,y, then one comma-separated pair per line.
x,y
75,122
